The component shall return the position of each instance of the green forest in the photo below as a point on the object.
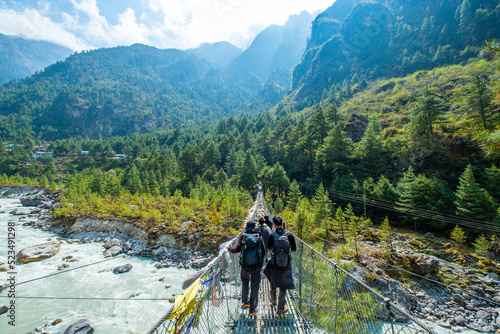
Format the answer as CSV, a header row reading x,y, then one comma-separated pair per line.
x,y
426,161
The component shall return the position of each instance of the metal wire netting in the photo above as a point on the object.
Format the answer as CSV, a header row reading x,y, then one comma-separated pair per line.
x,y
332,300
327,299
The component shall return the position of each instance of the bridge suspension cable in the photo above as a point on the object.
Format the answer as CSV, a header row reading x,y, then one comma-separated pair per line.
x,y
327,299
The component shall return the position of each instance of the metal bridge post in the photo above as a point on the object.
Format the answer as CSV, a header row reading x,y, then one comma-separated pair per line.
x,y
336,296
387,303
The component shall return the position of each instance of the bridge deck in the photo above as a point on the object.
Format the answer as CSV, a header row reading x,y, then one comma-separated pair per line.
x,y
267,321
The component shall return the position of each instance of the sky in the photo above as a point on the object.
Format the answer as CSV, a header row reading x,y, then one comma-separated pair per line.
x,y
88,24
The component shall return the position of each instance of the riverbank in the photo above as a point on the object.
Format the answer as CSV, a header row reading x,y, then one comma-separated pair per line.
x,y
115,303
184,249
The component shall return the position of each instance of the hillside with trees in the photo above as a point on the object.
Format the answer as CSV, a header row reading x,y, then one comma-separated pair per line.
x,y
354,41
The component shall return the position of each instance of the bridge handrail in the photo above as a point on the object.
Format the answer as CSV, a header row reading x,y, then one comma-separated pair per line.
x,y
328,299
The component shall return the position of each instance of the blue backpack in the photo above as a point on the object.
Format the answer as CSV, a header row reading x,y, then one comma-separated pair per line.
x,y
281,250
251,258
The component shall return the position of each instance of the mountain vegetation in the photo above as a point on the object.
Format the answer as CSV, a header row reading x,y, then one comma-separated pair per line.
x,y
20,58
398,133
366,40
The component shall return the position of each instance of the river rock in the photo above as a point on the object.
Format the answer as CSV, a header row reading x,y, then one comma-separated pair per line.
x,y
56,322
458,298
83,326
108,243
3,309
127,246
122,269
38,252
21,211
113,251
32,200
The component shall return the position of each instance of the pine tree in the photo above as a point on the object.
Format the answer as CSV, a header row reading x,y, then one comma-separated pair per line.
x,y
294,195
302,218
278,205
322,208
336,150
248,176
386,232
469,196
482,245
426,111
370,146
340,221
133,181
44,182
317,126
458,235
478,100
278,180
407,193
332,114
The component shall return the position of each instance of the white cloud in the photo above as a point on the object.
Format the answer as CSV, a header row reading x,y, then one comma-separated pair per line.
x,y
179,23
31,24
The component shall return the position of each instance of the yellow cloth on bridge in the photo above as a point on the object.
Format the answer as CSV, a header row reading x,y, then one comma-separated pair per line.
x,y
185,303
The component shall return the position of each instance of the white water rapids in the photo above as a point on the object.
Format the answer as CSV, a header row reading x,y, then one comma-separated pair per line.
x,y
108,317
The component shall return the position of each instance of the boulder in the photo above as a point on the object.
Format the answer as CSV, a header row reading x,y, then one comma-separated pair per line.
x,y
21,211
355,127
423,266
429,235
122,269
127,246
108,243
83,326
113,251
32,200
3,309
458,299
38,252
389,288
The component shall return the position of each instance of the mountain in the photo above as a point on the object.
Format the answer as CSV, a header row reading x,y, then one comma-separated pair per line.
x,y
119,91
276,47
219,54
389,39
20,57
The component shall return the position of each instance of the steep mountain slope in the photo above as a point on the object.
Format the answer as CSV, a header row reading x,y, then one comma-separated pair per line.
x,y
388,39
219,54
119,91
21,57
277,47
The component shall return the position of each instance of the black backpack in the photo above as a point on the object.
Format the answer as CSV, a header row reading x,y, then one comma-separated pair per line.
x,y
281,250
251,258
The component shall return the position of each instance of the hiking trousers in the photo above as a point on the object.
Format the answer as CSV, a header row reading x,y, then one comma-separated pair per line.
x,y
247,278
282,296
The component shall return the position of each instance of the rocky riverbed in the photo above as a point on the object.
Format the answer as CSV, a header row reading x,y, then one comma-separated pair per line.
x,y
86,293
115,235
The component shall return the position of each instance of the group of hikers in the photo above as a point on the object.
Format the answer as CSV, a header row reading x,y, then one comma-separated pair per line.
x,y
254,244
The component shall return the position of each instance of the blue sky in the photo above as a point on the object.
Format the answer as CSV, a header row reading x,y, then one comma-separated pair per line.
x,y
88,24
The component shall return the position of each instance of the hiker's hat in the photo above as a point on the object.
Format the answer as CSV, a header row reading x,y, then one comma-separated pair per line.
x,y
250,226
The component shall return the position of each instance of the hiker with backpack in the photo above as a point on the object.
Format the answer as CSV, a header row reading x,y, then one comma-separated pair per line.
x,y
266,231
253,250
278,270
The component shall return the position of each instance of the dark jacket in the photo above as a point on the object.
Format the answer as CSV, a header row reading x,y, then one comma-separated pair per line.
x,y
280,277
239,245
266,232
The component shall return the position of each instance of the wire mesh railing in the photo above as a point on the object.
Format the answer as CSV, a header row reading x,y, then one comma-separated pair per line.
x,y
327,299
334,300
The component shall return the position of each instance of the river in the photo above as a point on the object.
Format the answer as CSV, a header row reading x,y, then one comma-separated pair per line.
x,y
96,281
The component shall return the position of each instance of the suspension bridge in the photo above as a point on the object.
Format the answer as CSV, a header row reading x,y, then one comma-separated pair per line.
x,y
327,299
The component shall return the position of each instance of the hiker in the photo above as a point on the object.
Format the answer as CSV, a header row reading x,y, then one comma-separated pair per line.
x,y
266,231
253,250
268,222
278,270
